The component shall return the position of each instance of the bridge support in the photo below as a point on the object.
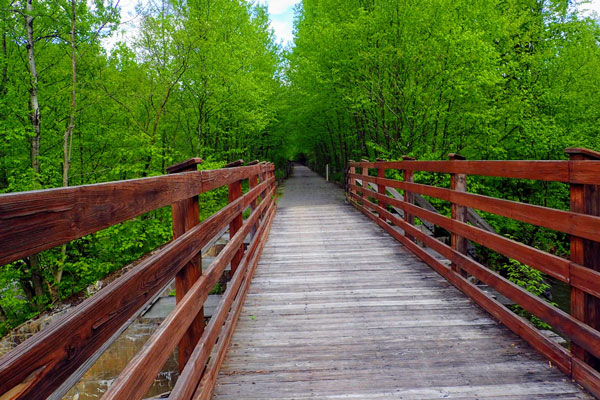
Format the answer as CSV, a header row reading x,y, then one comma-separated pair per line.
x,y
235,192
185,217
408,176
365,172
381,187
253,182
458,182
585,199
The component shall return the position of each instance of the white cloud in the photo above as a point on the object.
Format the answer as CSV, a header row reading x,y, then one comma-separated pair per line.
x,y
589,8
281,13
283,31
277,7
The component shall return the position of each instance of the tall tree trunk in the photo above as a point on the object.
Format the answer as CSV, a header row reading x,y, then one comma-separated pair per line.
x,y
67,147
68,136
4,88
35,117
33,91
3,92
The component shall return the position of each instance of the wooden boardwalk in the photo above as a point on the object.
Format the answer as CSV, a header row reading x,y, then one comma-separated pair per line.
x,y
338,309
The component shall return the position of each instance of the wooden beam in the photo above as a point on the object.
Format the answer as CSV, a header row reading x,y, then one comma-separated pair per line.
x,y
188,380
185,215
40,220
582,225
49,357
458,182
234,192
585,199
138,375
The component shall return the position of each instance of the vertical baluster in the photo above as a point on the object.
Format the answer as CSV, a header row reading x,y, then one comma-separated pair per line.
x,y
458,182
365,184
235,192
380,185
352,170
253,182
408,176
585,199
186,216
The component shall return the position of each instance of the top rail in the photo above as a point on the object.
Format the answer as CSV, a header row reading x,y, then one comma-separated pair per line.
x,y
39,220
578,171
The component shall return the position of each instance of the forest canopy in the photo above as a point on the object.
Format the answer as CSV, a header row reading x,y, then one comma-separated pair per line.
x,y
489,79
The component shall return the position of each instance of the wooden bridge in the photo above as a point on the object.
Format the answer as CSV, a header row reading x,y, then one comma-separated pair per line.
x,y
331,305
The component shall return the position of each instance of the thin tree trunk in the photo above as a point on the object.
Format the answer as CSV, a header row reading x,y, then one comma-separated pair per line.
x,y
67,147
33,95
4,89
35,117
68,136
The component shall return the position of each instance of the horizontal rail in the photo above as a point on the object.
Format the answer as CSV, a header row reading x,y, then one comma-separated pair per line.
x,y
523,328
138,375
40,220
555,266
580,172
579,332
197,369
41,364
582,225
552,265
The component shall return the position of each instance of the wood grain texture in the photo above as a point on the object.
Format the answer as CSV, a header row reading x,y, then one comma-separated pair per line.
x,y
554,352
138,375
206,385
234,192
39,220
550,264
326,317
585,306
584,335
185,215
61,348
583,172
577,224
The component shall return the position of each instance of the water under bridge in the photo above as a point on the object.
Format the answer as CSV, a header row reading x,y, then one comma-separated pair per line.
x,y
325,301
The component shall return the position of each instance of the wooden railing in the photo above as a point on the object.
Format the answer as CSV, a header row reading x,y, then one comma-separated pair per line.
x,y
581,172
50,362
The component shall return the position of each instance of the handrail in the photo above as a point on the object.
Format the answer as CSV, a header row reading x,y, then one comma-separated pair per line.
x,y
582,271
40,367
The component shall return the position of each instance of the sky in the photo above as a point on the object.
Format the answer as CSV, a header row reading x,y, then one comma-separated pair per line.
x,y
282,18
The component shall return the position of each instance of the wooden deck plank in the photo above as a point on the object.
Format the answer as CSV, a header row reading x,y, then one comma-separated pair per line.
x,y
339,310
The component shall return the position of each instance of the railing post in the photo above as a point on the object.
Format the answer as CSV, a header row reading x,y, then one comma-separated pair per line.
x,y
235,192
585,199
365,184
381,187
186,216
408,176
253,182
352,170
458,182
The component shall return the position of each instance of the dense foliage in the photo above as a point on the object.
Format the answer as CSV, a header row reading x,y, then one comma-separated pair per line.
x,y
199,79
490,79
